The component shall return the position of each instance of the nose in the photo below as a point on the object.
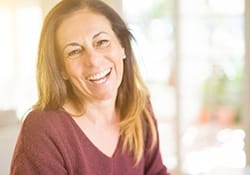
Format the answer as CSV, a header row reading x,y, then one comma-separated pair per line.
x,y
92,57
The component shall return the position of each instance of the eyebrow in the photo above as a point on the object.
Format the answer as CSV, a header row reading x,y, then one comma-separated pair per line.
x,y
77,44
98,34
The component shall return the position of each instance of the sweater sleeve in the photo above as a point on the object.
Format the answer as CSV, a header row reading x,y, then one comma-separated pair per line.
x,y
154,164
153,159
36,151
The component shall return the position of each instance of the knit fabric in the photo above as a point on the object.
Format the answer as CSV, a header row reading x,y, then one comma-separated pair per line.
x,y
51,143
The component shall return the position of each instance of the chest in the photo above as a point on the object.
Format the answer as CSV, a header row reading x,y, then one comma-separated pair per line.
x,y
103,138
99,153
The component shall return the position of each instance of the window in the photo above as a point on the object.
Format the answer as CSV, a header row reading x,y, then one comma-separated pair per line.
x,y
203,102
19,34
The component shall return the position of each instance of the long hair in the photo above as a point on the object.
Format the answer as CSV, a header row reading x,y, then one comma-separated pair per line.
x,y
132,99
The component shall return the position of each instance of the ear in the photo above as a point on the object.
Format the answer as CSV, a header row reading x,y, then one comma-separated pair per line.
x,y
124,54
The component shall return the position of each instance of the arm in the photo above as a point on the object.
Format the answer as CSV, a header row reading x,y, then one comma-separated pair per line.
x,y
36,151
153,159
153,162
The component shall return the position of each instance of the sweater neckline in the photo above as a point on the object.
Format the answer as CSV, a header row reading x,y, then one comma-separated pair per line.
x,y
92,145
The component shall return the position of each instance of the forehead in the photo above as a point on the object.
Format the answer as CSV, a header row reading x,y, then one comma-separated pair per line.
x,y
82,23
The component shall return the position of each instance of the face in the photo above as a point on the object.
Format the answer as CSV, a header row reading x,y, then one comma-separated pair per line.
x,y
92,54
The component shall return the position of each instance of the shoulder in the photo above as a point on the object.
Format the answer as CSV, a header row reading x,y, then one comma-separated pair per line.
x,y
37,148
39,124
37,115
42,128
40,119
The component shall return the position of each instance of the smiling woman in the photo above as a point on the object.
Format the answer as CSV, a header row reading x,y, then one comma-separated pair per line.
x,y
93,55
89,91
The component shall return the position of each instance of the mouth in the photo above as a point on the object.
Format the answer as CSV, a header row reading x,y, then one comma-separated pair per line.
x,y
98,77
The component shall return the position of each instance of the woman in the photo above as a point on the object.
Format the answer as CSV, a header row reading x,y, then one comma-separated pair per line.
x,y
93,114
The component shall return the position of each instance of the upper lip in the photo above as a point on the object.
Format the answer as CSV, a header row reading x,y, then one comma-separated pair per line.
x,y
99,75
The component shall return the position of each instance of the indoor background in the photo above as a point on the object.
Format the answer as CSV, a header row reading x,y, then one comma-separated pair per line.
x,y
194,56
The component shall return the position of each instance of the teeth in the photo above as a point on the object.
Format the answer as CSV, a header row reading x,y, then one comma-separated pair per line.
x,y
99,76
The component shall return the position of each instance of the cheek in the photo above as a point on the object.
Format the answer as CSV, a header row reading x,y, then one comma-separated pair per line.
x,y
117,58
116,52
72,70
119,67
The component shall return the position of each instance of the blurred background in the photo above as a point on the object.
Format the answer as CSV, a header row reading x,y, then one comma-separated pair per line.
x,y
194,56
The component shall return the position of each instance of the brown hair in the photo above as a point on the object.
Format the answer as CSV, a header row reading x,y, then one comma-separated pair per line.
x,y
132,97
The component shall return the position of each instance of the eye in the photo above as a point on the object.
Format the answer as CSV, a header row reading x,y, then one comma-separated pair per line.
x,y
102,43
75,53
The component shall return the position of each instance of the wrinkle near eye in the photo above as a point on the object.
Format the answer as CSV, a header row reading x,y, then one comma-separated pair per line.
x,y
73,51
102,43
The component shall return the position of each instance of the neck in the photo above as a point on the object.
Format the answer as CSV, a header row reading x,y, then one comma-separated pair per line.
x,y
97,113
101,113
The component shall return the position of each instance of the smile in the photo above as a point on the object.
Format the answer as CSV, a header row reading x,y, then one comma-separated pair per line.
x,y
100,75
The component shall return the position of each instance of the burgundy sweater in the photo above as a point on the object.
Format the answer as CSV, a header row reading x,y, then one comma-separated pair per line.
x,y
51,143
